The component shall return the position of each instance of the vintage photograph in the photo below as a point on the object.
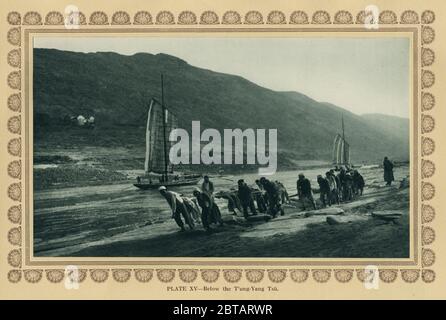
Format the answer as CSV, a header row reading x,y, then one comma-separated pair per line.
x,y
238,147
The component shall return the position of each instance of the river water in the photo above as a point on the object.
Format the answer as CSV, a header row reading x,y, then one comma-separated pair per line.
x,y
67,220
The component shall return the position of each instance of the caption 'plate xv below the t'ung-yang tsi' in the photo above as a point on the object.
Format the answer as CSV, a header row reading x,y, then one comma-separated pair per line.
x,y
183,150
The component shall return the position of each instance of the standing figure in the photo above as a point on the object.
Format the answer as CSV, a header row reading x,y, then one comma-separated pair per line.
x,y
178,207
207,186
358,183
304,191
388,171
273,195
245,196
324,187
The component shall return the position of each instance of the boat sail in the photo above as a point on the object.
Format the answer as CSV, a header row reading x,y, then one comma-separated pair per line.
x,y
341,149
159,126
158,169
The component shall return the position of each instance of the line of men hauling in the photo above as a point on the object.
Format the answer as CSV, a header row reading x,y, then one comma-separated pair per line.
x,y
268,195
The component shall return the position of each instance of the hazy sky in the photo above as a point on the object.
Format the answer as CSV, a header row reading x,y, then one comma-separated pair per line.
x,y
363,75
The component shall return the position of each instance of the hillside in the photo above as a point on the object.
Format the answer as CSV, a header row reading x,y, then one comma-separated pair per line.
x,y
116,89
396,127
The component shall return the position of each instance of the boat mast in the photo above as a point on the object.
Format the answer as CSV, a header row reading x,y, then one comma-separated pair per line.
x,y
343,140
163,109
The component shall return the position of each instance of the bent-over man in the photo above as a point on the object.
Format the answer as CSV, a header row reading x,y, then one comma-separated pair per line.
x,y
334,197
273,195
324,188
246,199
304,191
209,209
178,207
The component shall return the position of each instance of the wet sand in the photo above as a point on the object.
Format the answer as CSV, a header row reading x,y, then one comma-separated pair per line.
x,y
119,220
358,235
68,218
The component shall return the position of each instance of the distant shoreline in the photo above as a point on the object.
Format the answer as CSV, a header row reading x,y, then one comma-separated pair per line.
x,y
64,172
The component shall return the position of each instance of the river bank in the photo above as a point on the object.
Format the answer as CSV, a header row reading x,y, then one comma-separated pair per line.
x,y
365,237
116,220
56,167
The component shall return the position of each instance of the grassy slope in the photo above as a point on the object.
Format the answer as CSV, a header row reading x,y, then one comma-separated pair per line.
x,y
116,89
391,125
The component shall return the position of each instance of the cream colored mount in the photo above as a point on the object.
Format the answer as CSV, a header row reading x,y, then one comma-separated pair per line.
x,y
20,21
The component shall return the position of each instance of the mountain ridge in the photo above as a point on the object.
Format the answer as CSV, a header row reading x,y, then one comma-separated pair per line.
x,y
117,88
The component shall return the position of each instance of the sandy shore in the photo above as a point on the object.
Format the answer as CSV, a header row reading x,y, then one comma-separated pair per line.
x,y
357,234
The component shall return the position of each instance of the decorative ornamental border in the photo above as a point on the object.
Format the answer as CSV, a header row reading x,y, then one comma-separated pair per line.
x,y
427,126
229,17
211,18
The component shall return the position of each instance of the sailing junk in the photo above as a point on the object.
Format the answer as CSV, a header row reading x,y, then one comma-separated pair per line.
x,y
156,159
341,149
157,167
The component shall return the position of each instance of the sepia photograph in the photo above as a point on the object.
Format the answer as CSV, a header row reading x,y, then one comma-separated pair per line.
x,y
221,146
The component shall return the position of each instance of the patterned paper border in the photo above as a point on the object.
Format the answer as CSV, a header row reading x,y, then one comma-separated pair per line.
x,y
210,18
